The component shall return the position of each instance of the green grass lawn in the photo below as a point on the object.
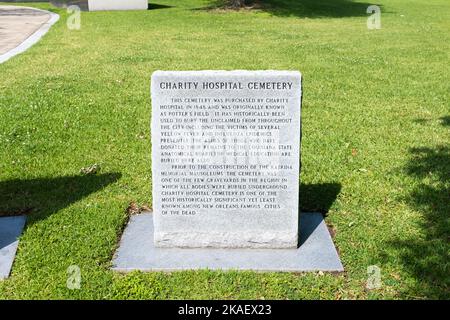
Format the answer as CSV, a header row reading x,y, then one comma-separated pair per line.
x,y
375,148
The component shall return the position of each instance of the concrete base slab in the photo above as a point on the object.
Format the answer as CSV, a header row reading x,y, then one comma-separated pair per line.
x,y
315,253
10,230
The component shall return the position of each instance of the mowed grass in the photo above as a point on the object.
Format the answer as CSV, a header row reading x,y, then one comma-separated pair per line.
x,y
375,148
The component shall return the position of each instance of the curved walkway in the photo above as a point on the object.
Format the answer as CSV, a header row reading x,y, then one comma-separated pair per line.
x,y
21,27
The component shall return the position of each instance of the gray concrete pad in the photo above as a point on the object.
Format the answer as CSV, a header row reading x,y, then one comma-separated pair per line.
x,y
10,230
21,27
315,253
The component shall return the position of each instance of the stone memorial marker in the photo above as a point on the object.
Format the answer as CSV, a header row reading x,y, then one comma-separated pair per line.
x,y
226,166
226,158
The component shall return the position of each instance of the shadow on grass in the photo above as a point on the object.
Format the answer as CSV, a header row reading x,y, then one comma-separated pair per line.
x,y
315,198
318,197
155,6
427,257
445,121
302,8
42,197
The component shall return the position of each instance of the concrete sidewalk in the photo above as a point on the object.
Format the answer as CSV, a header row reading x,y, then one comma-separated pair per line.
x,y
22,27
17,24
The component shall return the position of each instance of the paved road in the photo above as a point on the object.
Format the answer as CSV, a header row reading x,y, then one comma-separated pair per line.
x,y
17,24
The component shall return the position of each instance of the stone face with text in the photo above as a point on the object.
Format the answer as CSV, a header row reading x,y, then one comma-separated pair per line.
x,y
226,158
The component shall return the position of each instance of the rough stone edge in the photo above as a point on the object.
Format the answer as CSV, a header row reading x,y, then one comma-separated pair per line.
x,y
211,72
228,240
32,39
15,246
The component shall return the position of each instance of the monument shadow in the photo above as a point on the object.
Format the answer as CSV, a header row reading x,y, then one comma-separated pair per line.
x,y
315,198
41,197
156,6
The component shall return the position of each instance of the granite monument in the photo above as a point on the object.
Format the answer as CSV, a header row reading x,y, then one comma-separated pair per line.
x,y
226,158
